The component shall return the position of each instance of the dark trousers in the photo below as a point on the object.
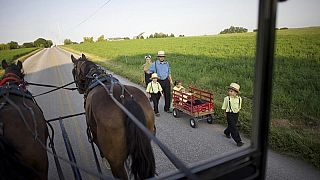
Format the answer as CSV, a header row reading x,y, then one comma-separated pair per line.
x,y
232,119
166,86
155,99
147,78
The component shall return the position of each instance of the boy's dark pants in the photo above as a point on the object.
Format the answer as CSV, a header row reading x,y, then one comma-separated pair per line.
x,y
155,99
232,119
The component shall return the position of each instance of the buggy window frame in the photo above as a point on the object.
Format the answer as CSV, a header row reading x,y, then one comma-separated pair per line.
x,y
250,162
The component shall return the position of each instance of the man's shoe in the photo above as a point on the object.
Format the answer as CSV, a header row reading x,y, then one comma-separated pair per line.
x,y
239,144
157,114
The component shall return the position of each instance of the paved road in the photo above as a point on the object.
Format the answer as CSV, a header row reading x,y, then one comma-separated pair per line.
x,y
54,66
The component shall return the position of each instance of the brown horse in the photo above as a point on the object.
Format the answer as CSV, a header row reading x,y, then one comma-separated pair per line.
x,y
22,123
116,136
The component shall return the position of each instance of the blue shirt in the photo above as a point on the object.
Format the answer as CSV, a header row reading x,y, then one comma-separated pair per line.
x,y
163,69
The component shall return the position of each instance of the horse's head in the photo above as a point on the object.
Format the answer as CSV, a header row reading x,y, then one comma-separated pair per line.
x,y
80,67
13,70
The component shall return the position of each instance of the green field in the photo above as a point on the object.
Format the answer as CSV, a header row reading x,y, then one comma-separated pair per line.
x,y
213,62
13,54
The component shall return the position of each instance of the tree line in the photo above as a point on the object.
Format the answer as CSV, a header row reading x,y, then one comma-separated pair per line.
x,y
233,29
40,42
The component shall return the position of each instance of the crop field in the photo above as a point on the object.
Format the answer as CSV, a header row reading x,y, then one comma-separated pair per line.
x,y
13,54
213,62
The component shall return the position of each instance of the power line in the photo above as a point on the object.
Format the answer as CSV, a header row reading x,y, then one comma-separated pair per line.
x,y
91,15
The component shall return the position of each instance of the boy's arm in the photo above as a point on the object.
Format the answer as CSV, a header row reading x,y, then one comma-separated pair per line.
x,y
224,106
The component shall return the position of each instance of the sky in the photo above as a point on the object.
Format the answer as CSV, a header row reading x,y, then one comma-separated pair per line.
x,y
25,21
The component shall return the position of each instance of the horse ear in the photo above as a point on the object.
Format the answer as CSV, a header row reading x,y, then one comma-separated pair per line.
x,y
74,60
84,57
19,64
4,64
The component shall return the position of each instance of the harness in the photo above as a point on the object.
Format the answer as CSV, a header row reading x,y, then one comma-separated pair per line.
x,y
230,104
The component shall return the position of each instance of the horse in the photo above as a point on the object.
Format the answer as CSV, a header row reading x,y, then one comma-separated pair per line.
x,y
114,133
22,124
11,167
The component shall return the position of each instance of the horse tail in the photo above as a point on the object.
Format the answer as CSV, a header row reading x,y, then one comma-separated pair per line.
x,y
11,167
139,145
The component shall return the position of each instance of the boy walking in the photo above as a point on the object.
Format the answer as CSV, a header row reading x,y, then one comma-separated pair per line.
x,y
154,91
232,105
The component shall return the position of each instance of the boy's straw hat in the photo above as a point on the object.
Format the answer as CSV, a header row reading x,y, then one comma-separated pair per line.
x,y
154,76
161,54
235,87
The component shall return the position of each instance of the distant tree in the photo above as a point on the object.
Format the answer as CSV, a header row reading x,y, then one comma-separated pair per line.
x,y
101,39
233,29
4,47
255,30
13,45
88,39
171,35
49,43
181,35
141,37
126,38
40,42
28,45
67,42
151,36
284,28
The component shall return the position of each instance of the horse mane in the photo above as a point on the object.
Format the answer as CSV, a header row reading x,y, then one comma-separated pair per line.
x,y
11,167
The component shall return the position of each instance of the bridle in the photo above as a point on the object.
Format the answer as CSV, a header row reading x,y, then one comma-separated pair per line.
x,y
79,78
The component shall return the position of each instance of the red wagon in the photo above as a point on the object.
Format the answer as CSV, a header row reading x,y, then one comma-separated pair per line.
x,y
196,103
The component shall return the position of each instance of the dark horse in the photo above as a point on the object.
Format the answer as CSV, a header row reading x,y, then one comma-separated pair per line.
x,y
116,136
22,127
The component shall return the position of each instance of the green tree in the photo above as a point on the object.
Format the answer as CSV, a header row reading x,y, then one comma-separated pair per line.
x,y
88,39
40,42
141,37
49,43
171,35
28,44
67,42
151,36
233,29
13,45
101,39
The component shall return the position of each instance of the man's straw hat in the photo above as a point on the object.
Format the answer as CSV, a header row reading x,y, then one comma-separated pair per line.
x,y
161,54
235,87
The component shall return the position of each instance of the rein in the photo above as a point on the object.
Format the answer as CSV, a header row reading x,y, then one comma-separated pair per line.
x,y
175,161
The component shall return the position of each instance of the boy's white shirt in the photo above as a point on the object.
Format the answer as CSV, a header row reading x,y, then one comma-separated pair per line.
x,y
234,101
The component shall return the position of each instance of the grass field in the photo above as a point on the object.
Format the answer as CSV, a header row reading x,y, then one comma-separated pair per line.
x,y
213,62
11,55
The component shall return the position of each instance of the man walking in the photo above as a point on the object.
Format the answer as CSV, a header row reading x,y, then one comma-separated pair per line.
x,y
162,68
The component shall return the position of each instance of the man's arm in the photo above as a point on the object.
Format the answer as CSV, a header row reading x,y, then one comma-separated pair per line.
x,y
152,68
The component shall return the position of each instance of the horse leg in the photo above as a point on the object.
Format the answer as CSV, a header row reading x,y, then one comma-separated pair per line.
x,y
114,149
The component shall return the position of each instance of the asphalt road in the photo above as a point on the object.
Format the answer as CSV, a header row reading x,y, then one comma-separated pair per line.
x,y
53,66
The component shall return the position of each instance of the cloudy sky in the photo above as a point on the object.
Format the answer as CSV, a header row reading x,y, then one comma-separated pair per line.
x,y
25,21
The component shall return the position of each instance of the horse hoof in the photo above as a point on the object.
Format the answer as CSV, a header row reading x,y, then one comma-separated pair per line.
x,y
106,163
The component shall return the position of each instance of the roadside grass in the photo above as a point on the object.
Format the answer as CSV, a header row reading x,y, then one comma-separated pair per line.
x,y
16,54
213,62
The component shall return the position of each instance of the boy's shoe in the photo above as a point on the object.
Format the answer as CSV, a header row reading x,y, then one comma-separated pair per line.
x,y
157,114
239,144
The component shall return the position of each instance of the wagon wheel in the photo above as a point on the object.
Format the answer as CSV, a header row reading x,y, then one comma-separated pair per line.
x,y
210,119
176,113
193,123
